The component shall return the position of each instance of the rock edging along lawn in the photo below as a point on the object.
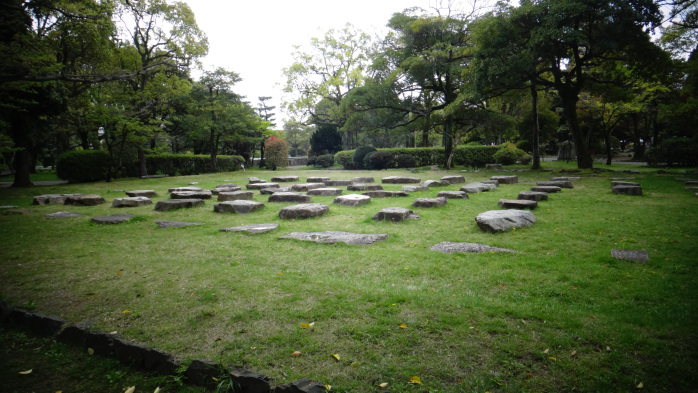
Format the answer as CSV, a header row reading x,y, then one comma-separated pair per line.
x,y
199,372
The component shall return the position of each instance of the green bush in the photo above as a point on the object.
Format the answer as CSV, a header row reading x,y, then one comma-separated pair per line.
x,y
368,164
359,157
526,158
83,165
381,160
345,159
674,152
276,153
524,145
508,154
406,161
478,156
189,164
325,160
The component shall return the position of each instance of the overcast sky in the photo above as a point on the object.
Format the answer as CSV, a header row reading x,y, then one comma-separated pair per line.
x,y
255,38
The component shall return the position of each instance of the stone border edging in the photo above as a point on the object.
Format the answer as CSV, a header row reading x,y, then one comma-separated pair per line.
x,y
199,372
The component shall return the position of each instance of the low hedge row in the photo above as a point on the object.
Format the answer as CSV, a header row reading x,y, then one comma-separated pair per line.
x,y
83,165
189,164
474,156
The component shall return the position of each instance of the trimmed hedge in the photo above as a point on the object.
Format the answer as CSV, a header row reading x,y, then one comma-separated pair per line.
x,y
359,158
83,165
324,161
674,152
344,158
189,164
475,156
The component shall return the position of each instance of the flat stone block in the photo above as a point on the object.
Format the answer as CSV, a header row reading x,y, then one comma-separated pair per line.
x,y
518,204
252,228
533,195
454,179
385,194
429,202
628,190
255,180
239,207
494,167
503,220
558,183
84,200
235,196
303,211
113,219
434,183
305,187
228,185
174,204
218,190
269,191
565,178
455,247
176,224
326,191
292,197
185,189
352,200
317,179
129,353
415,188
337,236
506,179
284,179
62,215
546,189
453,194
142,193
249,381
362,180
401,180
50,199
364,187
203,194
624,183
338,183
395,214
131,202
640,256
477,187
259,186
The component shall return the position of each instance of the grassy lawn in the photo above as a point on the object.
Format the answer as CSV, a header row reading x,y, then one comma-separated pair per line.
x,y
558,315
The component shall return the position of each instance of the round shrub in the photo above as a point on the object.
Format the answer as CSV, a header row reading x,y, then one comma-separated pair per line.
x,y
360,155
382,160
508,154
83,165
345,159
524,145
406,161
526,158
276,153
368,163
325,160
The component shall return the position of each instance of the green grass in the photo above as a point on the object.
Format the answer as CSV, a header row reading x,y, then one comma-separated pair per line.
x,y
559,315
39,176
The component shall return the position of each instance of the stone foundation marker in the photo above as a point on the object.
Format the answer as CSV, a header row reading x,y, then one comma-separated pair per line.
x,y
414,188
84,200
395,214
62,215
203,194
306,210
292,197
533,195
142,193
429,202
235,196
546,189
239,207
558,183
260,186
184,189
453,247
640,256
506,179
518,204
284,179
174,204
113,219
325,191
628,190
352,200
453,194
338,236
252,228
503,220
401,180
131,202
305,187
364,187
176,224
385,194
456,179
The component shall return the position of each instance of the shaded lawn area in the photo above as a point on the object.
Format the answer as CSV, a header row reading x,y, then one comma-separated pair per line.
x,y
558,315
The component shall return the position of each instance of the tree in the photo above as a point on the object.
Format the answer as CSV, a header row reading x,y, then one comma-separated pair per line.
x,y
265,112
277,151
326,140
298,137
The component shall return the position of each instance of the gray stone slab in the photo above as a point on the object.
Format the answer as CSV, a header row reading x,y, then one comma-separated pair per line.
x,y
494,167
235,196
477,187
454,179
218,190
269,191
401,180
255,180
259,186
176,224
415,188
362,179
546,189
385,194
203,194
631,255
238,206
395,214
305,187
185,189
558,183
506,179
533,195
62,215
131,202
326,191
429,202
84,200
292,197
303,211
174,204
565,178
249,381
352,200
51,199
338,183
434,183
503,220
338,237
227,185
284,179
317,179
142,193
490,181
364,187
690,188
252,228
453,194
628,190
518,204
113,219
456,247
624,183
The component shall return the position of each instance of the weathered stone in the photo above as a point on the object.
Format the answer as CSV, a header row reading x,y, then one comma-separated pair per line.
x,y
415,188
306,210
493,182
173,204
185,189
429,202
385,194
502,220
317,179
17,211
352,200
62,215
113,219
72,335
8,207
691,182
50,199
518,204
494,167
401,180
160,362
631,255
203,194
434,183
218,190
176,224
249,381
362,180
565,178
453,194
193,183
628,190
395,214
506,179
227,185
337,236
252,228
202,372
100,342
546,189
255,180
474,188
558,183
338,183
453,247
302,386
131,202
326,191
364,187
284,179
84,200
533,195
305,187
690,188
292,197
42,324
142,193
269,191
260,186
238,206
235,196
624,183
454,179
129,353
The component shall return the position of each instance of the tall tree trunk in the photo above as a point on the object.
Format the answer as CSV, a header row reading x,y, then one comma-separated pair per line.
x,y
212,150
142,168
448,144
536,125
609,151
22,161
569,102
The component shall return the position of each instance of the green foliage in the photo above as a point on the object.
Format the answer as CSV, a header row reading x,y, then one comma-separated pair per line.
x,y
344,158
326,140
367,163
359,155
381,160
276,153
674,152
509,154
83,165
189,164
406,161
325,160
524,145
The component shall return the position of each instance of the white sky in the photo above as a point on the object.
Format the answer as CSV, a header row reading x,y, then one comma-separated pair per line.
x,y
255,38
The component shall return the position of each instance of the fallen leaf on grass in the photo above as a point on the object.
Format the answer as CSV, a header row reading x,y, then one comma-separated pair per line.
x,y
383,385
416,380
529,374
90,351
640,386
328,387
126,312
592,316
355,364
551,358
131,389
296,354
573,353
157,390
547,351
403,326
26,372
336,356
307,325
